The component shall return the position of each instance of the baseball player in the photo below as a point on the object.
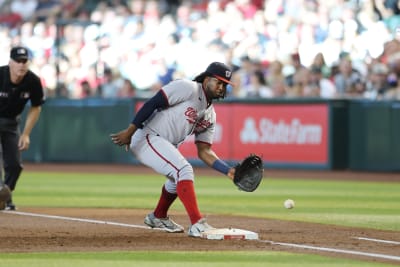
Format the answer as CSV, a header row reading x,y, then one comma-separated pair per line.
x,y
18,85
181,108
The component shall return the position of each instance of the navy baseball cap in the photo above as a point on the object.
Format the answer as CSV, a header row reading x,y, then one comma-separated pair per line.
x,y
19,52
220,71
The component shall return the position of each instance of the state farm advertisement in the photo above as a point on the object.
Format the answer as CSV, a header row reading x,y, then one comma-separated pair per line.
x,y
295,133
281,133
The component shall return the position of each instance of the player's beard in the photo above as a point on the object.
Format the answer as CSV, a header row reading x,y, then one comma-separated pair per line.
x,y
213,94
220,96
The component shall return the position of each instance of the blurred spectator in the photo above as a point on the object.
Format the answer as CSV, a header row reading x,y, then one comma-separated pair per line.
x,y
390,48
71,9
230,59
348,81
169,6
86,90
241,77
8,17
393,93
127,89
25,8
90,83
393,77
279,88
394,68
295,69
318,85
377,83
111,84
300,81
257,88
62,91
133,37
319,62
165,72
47,8
388,11
274,72
247,7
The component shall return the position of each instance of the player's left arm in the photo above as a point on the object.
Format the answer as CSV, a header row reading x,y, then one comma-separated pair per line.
x,y
31,119
209,157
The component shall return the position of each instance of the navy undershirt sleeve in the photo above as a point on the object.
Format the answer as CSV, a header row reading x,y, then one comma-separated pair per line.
x,y
158,101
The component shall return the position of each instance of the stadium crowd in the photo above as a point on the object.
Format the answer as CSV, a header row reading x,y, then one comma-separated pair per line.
x,y
277,48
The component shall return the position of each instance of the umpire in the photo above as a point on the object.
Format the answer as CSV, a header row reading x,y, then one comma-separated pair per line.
x,y
17,85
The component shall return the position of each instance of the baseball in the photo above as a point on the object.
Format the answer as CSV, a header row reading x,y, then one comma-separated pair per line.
x,y
289,203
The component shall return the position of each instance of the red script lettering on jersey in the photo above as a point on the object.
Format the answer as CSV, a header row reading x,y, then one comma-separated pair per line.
x,y
192,118
191,115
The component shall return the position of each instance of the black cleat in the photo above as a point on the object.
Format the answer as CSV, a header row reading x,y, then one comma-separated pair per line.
x,y
10,205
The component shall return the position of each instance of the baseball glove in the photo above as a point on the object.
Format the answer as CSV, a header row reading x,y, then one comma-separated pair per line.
x,y
249,173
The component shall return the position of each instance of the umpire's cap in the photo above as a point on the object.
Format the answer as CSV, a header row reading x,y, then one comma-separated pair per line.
x,y
218,70
20,52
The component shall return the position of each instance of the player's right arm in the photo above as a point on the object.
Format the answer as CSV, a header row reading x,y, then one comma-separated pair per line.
x,y
158,101
208,156
124,137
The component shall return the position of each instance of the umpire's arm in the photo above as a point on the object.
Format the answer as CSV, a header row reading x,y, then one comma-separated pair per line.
x,y
31,119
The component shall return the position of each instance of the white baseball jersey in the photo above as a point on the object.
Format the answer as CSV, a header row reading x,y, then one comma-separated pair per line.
x,y
188,113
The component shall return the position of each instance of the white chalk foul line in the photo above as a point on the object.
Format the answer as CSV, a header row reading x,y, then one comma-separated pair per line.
x,y
378,240
80,220
343,251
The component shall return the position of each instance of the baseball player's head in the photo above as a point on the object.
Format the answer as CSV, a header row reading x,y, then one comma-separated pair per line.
x,y
215,79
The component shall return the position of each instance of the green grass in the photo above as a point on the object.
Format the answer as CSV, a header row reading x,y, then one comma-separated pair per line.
x,y
360,204
176,259
348,203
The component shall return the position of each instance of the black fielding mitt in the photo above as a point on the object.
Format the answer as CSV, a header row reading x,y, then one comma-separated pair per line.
x,y
249,173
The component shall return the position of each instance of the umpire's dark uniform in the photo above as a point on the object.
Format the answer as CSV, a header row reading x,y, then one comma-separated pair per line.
x,y
13,98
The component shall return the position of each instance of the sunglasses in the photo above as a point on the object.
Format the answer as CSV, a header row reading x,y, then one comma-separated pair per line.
x,y
21,60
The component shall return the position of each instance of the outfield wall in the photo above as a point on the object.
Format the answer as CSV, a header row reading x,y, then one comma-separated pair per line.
x,y
288,133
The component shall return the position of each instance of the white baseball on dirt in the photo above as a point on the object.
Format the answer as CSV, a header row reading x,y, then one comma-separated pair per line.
x,y
289,203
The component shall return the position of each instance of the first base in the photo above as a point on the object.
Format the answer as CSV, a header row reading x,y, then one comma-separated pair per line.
x,y
229,233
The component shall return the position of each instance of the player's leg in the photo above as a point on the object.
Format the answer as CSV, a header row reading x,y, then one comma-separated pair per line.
x,y
5,193
166,159
159,217
141,148
167,198
11,159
